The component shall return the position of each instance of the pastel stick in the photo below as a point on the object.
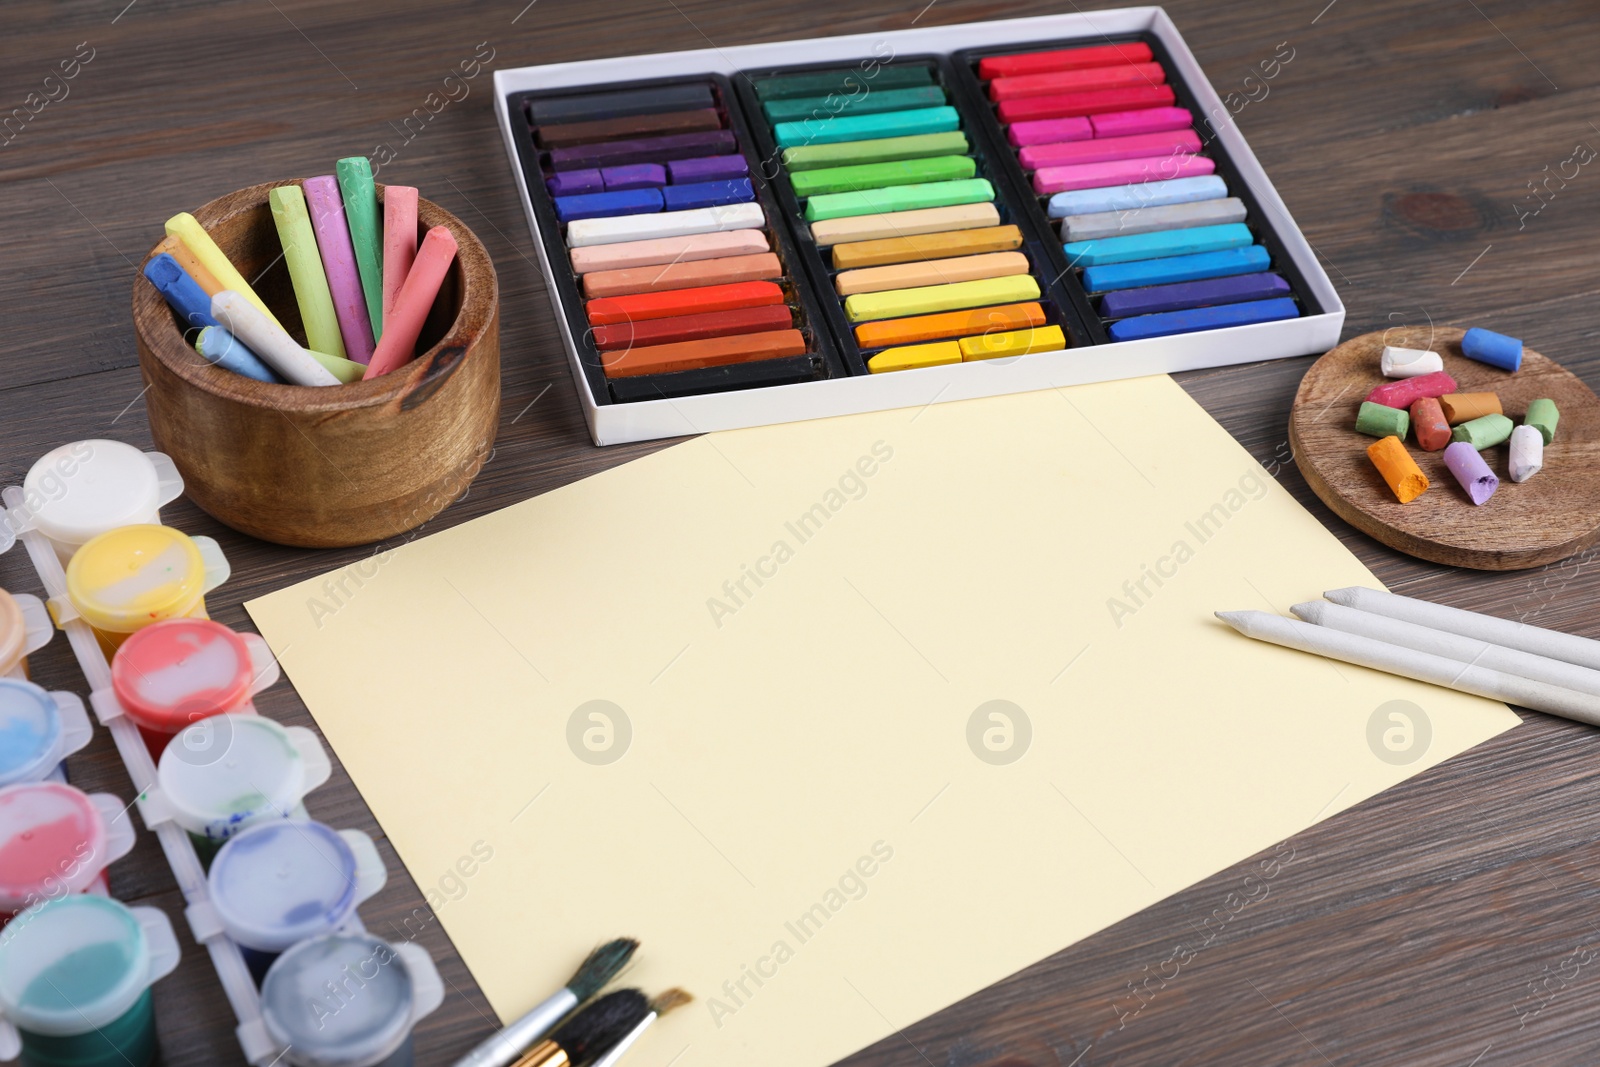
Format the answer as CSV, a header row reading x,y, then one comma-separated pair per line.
x,y
366,235
1145,120
708,194
1050,131
664,250
644,150
693,327
878,175
633,176
589,107
221,349
399,239
339,263
1176,269
1105,149
317,316
1126,303
1152,219
1132,197
866,127
1159,245
576,182
707,169
664,224
798,109
1047,180
841,80
564,135
896,198
1207,318
605,205
875,150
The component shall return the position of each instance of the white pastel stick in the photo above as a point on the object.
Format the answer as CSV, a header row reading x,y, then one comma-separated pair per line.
x,y
1419,666
610,231
1450,646
1408,362
1527,452
269,340
1569,648
1103,224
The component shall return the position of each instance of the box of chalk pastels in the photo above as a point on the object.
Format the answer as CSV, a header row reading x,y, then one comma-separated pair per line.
x,y
764,233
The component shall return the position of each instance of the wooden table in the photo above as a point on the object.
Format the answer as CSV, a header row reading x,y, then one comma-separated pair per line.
x,y
1420,147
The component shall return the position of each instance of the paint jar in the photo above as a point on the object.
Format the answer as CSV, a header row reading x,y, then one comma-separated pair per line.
x,y
223,774
280,883
75,977
25,627
57,841
77,492
349,1000
37,731
124,580
180,671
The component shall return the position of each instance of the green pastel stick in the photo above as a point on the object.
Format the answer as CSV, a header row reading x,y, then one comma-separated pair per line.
x,y
1380,421
1483,433
346,370
311,292
866,127
1543,416
899,198
843,80
878,175
366,232
873,101
882,150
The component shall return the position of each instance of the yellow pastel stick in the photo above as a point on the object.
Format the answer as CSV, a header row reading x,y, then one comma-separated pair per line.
x,y
300,252
909,357
186,228
1013,343
931,298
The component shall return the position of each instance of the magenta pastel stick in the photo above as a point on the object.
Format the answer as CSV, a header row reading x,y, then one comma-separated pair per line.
x,y
1471,471
399,240
1119,172
1150,120
1048,131
339,264
1104,149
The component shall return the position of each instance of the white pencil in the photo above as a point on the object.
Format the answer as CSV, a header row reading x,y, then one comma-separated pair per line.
x,y
1450,646
268,340
1569,648
1421,666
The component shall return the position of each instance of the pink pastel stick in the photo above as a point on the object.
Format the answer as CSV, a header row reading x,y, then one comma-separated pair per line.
x,y
1407,391
339,264
1105,149
1150,120
1048,131
1119,172
412,304
399,240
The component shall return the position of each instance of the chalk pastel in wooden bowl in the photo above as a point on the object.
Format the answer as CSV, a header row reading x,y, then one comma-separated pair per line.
x,y
323,467
1547,518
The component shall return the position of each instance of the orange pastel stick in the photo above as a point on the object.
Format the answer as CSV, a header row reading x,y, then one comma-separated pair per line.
x,y
711,352
1405,478
607,310
179,251
918,328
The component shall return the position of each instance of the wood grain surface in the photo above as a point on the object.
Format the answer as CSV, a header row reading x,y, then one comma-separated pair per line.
x,y
1541,521
1423,148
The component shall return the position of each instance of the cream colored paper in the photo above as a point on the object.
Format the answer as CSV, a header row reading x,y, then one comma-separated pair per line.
x,y
794,730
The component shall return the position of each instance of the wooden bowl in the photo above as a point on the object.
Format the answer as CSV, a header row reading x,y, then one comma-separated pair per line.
x,y
1544,519
323,467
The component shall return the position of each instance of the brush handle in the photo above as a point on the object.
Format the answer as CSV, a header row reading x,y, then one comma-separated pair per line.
x,y
503,1047
615,1054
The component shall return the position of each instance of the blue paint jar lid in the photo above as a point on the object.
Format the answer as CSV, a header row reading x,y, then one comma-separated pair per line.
x,y
285,881
37,730
342,1000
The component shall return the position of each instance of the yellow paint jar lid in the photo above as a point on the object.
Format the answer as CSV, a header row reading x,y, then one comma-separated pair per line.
x,y
130,577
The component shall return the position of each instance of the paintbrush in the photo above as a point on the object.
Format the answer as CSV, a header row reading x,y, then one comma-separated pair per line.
x,y
589,1033
668,1001
599,968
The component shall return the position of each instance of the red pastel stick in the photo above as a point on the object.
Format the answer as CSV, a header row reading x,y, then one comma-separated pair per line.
x,y
1071,81
1064,59
1089,102
692,327
401,329
610,310
713,352
1407,391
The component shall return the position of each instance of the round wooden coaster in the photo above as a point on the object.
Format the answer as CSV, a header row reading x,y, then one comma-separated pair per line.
x,y
1547,518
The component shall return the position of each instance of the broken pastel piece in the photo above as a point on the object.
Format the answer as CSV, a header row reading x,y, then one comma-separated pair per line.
x,y
1429,424
1399,470
1495,349
1379,421
1482,433
1407,391
1471,471
1464,407
1409,362
1527,452
1542,416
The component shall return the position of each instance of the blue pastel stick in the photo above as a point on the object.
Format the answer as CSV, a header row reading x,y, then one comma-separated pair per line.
x,y
181,291
1156,298
708,194
222,349
606,205
842,128
1134,197
633,176
575,182
1495,349
1195,319
1158,245
1176,269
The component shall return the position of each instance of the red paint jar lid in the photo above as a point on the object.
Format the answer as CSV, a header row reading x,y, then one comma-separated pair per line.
x,y
173,673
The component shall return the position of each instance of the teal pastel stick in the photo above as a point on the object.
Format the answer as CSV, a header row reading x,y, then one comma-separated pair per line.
x,y
360,198
866,127
1158,245
1134,197
1176,269
872,102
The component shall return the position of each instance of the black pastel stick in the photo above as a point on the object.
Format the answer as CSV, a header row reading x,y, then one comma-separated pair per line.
x,y
591,106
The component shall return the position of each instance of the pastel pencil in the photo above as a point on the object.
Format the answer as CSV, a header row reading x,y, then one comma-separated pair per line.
x,y
763,266
710,352
411,306
399,239
361,213
339,263
289,215
930,272
179,251
187,229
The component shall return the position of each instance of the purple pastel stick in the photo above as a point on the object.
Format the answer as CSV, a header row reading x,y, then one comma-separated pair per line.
x,y
1049,131
1180,295
1150,120
339,264
644,150
576,183
633,176
707,169
1471,471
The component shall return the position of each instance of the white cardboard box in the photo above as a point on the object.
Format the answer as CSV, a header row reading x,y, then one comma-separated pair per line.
x,y
611,423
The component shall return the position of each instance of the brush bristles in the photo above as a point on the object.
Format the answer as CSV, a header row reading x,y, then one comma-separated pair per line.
x,y
601,966
602,1024
671,1000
